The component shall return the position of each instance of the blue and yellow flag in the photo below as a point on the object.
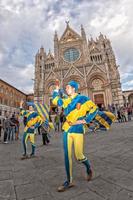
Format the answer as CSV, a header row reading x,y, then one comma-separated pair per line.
x,y
102,121
41,109
43,112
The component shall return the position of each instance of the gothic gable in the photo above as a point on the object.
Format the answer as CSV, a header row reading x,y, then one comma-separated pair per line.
x,y
69,35
73,71
49,57
94,50
95,68
52,75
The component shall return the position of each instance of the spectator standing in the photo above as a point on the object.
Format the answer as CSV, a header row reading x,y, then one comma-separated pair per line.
x,y
16,127
44,131
6,128
119,116
13,127
57,122
0,128
129,112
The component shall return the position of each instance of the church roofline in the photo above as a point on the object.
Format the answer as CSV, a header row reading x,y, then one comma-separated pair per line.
x,y
50,56
69,28
13,87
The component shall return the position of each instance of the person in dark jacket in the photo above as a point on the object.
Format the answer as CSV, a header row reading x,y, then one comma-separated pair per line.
x,y
44,128
6,127
13,127
0,128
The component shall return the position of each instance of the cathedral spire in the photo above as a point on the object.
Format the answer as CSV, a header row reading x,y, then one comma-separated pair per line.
x,y
55,36
92,40
101,36
41,50
83,32
67,23
50,56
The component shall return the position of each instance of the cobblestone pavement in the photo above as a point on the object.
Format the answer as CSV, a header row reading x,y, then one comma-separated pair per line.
x,y
111,156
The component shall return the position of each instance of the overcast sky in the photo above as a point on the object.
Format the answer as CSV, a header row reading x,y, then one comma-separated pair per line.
x,y
26,25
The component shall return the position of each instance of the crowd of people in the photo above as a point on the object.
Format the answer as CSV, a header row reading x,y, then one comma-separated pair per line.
x,y
124,114
10,127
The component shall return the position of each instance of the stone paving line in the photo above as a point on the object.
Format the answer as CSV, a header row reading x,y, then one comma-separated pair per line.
x,y
111,156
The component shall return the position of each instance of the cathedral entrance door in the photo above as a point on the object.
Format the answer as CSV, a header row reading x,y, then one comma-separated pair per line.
x,y
99,100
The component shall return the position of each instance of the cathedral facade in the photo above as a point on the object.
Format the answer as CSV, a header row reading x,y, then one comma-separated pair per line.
x,y
90,62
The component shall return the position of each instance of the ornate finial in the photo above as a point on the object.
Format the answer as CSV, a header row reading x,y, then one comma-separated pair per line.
x,y
55,36
101,35
91,37
83,34
67,23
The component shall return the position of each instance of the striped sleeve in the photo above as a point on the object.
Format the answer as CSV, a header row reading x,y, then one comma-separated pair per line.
x,y
92,111
58,101
23,112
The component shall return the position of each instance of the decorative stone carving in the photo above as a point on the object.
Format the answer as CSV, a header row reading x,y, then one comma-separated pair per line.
x,y
50,76
97,84
73,71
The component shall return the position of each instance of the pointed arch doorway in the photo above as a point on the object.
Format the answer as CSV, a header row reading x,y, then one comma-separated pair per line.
x,y
99,100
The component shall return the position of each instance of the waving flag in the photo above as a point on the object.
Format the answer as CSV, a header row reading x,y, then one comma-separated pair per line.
x,y
43,112
102,121
41,109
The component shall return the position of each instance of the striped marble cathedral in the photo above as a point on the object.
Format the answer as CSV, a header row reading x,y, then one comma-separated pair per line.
x,y
90,62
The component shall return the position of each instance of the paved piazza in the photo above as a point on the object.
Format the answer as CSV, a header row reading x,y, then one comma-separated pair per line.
x,y
111,155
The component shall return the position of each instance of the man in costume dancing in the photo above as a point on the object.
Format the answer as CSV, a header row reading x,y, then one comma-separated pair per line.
x,y
79,110
33,121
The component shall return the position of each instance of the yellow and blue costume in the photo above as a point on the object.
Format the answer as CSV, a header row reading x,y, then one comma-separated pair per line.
x,y
33,121
77,108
